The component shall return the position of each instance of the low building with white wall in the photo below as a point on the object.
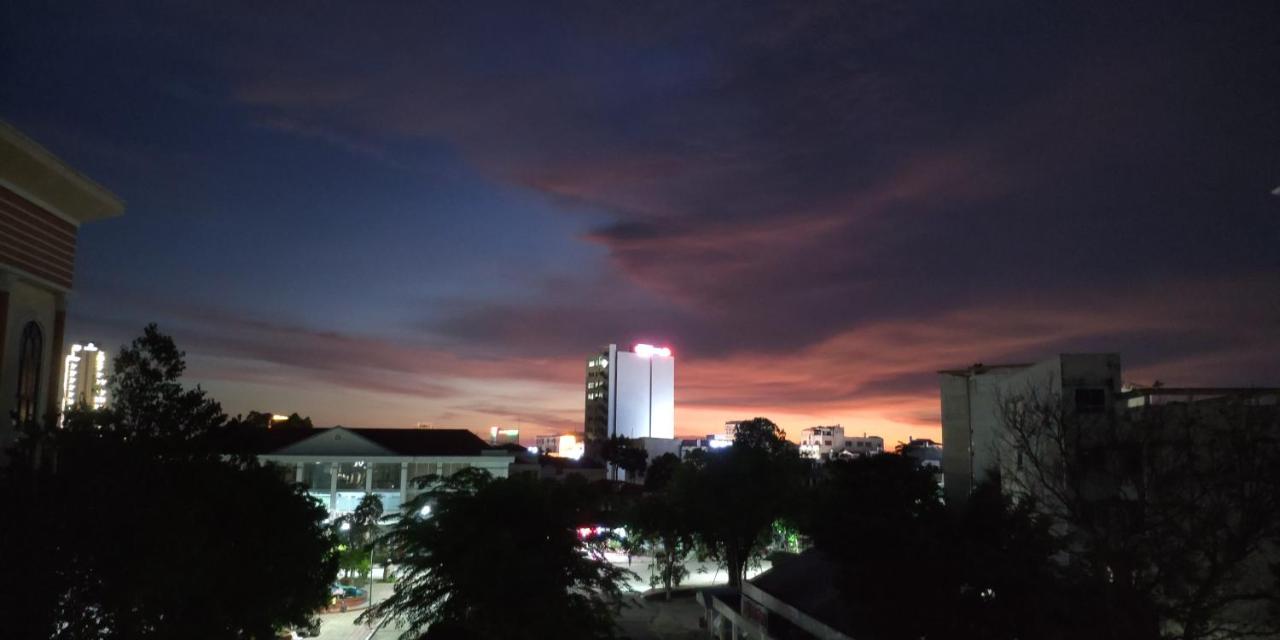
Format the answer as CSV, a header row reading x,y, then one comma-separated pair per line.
x,y
827,442
818,443
338,466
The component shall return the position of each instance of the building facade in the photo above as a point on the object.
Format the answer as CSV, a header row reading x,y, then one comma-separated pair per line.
x,y
339,466
43,202
84,377
629,394
827,442
818,443
546,443
973,401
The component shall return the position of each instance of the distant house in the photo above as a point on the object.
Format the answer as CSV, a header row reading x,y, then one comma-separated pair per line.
x,y
926,452
830,442
340,465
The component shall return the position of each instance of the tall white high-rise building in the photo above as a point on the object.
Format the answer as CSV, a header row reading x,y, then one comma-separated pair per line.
x,y
84,378
630,394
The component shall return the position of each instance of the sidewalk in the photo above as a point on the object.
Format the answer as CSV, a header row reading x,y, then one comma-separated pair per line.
x,y
341,626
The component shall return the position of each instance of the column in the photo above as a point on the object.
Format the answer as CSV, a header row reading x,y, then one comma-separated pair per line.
x,y
6,282
333,487
6,390
404,483
53,393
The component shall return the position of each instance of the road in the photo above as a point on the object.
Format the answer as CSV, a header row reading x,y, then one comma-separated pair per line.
x,y
640,620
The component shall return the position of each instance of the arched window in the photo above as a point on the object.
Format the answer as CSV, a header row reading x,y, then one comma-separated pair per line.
x,y
30,349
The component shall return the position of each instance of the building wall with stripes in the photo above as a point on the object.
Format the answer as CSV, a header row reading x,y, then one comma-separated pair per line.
x,y
35,241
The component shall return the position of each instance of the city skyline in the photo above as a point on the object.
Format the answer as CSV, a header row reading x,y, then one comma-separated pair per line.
x,y
432,215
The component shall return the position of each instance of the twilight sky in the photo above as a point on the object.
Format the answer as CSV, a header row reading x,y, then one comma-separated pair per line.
x,y
381,214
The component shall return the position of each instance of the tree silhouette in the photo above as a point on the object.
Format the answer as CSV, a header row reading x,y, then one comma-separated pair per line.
x,y
662,520
622,453
738,492
498,559
762,434
266,420
360,535
661,471
1170,512
130,523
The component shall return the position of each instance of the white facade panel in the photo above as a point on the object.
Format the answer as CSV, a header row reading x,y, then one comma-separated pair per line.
x,y
631,380
662,398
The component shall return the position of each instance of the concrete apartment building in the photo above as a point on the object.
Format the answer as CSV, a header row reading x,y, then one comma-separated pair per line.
x,y
1089,388
84,378
972,416
43,202
826,442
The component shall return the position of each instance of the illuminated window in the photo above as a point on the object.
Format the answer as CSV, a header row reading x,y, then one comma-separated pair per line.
x,y
30,348
351,476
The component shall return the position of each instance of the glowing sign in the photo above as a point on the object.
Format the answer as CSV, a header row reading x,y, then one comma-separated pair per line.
x,y
649,351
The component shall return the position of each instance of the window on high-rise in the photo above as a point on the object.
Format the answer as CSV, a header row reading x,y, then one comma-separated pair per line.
x,y
1091,400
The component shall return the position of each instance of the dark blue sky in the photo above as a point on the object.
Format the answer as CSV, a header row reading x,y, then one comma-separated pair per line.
x,y
432,211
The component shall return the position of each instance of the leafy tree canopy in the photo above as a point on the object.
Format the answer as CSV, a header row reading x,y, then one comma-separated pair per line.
x,y
906,568
739,492
268,420
129,523
499,559
661,471
626,454
762,434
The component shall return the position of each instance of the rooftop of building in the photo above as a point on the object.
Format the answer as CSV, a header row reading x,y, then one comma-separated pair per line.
x,y
396,441
1197,392
980,368
42,177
